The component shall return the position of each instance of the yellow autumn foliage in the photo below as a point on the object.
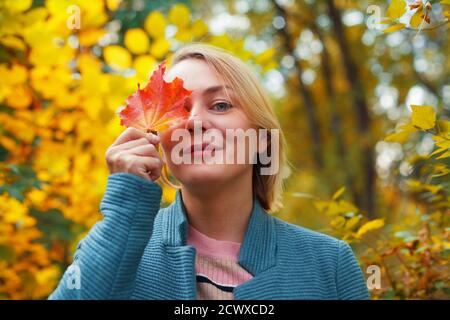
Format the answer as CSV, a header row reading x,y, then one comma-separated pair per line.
x,y
59,90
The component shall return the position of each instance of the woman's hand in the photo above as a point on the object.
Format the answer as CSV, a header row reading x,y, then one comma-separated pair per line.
x,y
135,152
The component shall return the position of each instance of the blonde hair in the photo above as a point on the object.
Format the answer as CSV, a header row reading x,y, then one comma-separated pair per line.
x,y
257,107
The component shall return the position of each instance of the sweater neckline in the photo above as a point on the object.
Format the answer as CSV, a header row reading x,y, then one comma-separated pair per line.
x,y
208,246
258,249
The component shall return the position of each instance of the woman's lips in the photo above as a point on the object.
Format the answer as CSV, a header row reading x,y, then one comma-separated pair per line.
x,y
201,149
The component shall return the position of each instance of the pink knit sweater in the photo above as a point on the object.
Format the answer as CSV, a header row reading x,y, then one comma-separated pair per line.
x,y
216,266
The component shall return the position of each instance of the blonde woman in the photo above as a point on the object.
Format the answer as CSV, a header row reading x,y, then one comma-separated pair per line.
x,y
217,240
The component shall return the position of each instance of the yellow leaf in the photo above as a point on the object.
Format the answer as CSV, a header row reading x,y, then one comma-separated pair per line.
x,y
117,57
437,138
184,35
416,20
17,75
89,63
423,117
19,97
35,15
338,193
265,56
144,65
321,205
433,188
199,28
136,40
179,15
353,221
414,185
16,6
444,155
36,197
444,126
169,194
440,170
12,210
345,206
437,151
90,36
333,209
338,222
370,226
155,24
393,28
400,137
444,144
402,133
270,65
159,48
13,42
113,5
396,9
386,21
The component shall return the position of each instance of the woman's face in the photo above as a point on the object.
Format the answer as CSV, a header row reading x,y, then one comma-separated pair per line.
x,y
209,111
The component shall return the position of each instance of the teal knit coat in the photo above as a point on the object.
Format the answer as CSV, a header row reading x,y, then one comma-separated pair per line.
x,y
139,251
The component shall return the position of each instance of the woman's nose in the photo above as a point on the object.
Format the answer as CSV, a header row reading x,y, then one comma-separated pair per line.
x,y
194,122
197,118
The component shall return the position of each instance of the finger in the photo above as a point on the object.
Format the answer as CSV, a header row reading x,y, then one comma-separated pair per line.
x,y
154,177
153,165
154,138
148,150
148,175
130,134
139,165
148,167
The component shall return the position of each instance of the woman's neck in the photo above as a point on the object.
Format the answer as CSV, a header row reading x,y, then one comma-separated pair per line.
x,y
220,213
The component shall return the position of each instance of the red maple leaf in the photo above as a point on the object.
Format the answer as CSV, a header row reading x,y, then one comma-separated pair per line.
x,y
158,106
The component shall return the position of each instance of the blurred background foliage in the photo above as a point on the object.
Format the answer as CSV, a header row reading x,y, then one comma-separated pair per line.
x,y
363,98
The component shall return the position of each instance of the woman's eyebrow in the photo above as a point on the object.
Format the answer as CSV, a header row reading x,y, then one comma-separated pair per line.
x,y
215,89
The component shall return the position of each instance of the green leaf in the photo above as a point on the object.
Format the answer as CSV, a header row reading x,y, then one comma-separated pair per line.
x,y
54,226
3,153
20,179
6,253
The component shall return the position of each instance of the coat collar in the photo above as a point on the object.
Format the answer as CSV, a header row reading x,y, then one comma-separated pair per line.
x,y
258,249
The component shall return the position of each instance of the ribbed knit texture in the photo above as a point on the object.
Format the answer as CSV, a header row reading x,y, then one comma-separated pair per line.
x,y
139,251
216,266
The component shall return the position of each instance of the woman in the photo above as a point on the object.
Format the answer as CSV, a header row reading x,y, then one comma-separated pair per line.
x,y
217,240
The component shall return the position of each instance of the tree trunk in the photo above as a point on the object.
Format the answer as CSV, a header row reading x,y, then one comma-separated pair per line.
x,y
306,95
361,109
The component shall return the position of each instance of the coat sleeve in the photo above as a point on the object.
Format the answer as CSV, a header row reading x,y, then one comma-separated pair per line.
x,y
106,260
351,284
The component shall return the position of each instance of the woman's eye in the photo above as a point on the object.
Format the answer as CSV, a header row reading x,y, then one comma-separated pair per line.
x,y
222,106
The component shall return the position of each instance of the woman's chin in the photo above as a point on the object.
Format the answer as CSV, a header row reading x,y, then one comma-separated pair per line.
x,y
201,173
